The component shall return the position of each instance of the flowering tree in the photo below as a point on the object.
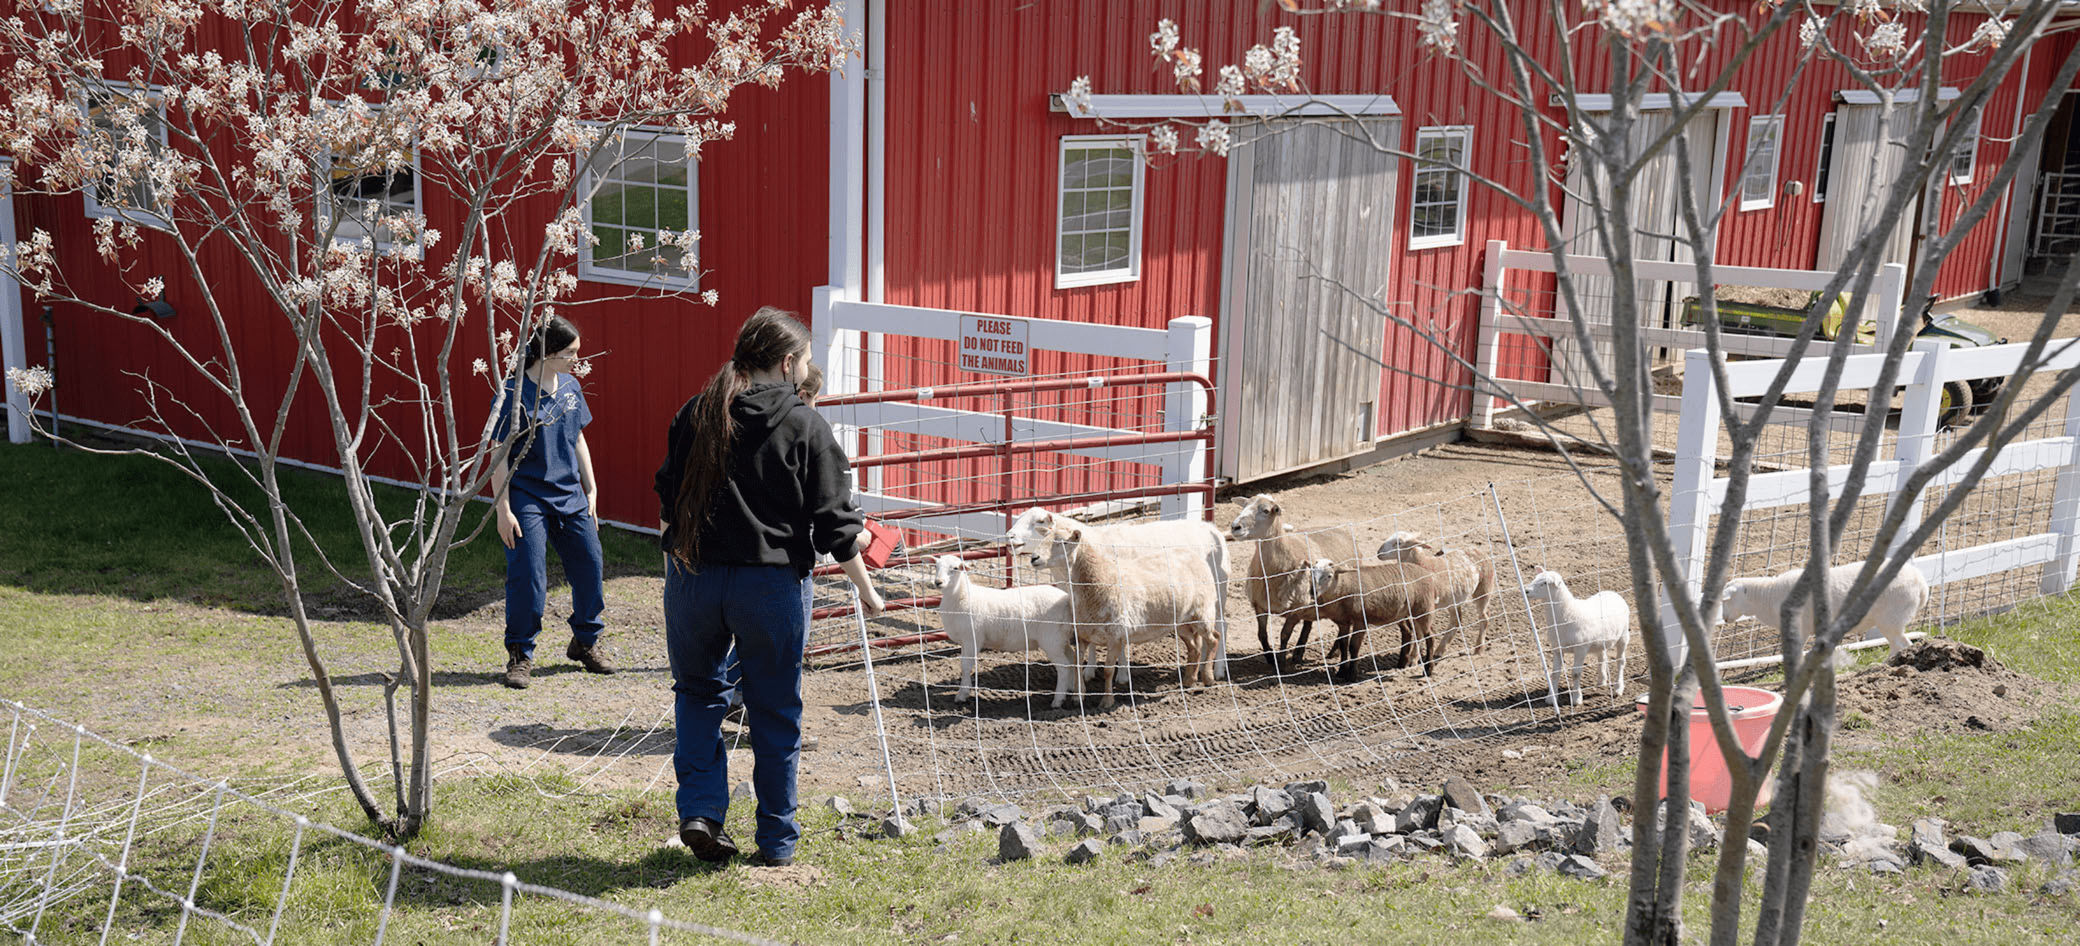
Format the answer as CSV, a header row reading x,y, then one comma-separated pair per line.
x,y
1688,52
309,141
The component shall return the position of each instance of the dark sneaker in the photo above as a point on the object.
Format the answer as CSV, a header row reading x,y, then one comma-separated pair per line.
x,y
591,657
518,670
761,860
706,840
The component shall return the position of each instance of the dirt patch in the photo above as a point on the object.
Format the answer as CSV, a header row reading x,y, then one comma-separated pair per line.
x,y
1942,686
790,877
1757,295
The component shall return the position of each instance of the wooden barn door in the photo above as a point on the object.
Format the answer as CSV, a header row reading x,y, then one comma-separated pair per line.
x,y
1306,200
1860,171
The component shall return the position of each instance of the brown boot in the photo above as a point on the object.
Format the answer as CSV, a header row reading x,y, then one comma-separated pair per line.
x,y
518,670
593,659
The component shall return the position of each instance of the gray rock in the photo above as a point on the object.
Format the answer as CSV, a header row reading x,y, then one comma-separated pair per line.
x,y
1316,814
971,808
1155,825
1337,862
1084,852
1484,825
839,804
1087,823
1353,843
2007,847
1519,867
1529,814
1298,789
1926,834
1427,840
1096,805
1265,834
1388,786
1117,823
1704,835
1016,842
1218,822
1986,879
1269,804
1128,810
1178,802
1888,864
1420,813
743,792
1385,849
1460,793
1976,851
1599,831
1581,867
1550,860
999,815
1465,842
1162,858
1517,836
1128,838
1061,828
2051,847
1184,788
1346,826
1155,807
2066,823
1371,820
897,826
2060,885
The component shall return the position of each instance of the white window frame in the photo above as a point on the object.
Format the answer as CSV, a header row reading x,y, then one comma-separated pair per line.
x,y
1132,271
381,243
155,218
1775,124
1457,236
1823,161
1969,150
591,271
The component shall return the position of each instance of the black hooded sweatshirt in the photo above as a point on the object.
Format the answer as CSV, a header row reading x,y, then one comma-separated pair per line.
x,y
787,493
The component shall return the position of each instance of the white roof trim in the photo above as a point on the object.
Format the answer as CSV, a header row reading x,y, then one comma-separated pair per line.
x,y
1657,101
1899,96
1218,106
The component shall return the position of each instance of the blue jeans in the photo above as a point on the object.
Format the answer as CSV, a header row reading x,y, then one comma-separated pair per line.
x,y
576,538
763,611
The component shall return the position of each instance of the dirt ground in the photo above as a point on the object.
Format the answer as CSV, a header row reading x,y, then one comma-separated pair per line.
x,y
1487,716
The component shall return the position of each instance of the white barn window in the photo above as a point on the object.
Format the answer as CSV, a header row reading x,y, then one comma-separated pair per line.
x,y
636,187
360,194
117,116
1826,159
1098,222
1759,181
1437,201
1967,153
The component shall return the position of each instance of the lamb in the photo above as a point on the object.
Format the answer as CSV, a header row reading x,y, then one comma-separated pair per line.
x,y
1763,599
1365,594
1277,582
1581,626
1016,620
1121,595
1194,550
1470,579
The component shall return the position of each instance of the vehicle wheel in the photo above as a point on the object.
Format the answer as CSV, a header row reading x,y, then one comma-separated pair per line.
x,y
1957,404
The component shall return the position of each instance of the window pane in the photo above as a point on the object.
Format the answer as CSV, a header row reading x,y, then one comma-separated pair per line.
x,y
639,207
672,208
1072,253
611,245
1111,253
1072,212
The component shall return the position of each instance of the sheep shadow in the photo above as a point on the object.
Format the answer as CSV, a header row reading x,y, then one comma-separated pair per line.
x,y
598,740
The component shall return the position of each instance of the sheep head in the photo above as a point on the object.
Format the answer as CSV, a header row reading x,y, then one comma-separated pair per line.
x,y
1257,520
1736,602
1404,547
1547,586
1318,575
1029,535
949,568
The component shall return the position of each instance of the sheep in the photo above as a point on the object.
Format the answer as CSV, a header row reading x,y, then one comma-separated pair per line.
x,y
1195,550
1581,626
1470,579
1894,609
1121,595
1277,582
1364,594
1016,620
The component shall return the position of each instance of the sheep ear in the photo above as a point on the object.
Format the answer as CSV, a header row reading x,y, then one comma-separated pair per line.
x,y
1073,535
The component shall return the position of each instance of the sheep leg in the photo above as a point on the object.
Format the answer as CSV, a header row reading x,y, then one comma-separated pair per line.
x,y
968,648
1439,640
1574,677
1354,644
1264,638
1299,651
1896,635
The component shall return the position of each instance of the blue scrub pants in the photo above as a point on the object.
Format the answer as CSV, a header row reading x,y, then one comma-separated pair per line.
x,y
576,539
763,610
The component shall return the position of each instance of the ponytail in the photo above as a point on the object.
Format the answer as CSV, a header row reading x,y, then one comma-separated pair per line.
x,y
770,337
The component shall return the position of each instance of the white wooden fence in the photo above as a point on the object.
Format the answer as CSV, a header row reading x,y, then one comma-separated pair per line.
x,y
1503,265
841,328
1698,491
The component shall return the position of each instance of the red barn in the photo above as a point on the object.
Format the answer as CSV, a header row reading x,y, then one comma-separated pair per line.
x,y
947,177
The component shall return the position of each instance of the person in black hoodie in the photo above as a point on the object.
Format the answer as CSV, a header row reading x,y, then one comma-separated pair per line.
x,y
753,488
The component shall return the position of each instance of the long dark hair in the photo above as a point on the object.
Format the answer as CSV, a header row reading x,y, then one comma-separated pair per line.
x,y
770,337
556,334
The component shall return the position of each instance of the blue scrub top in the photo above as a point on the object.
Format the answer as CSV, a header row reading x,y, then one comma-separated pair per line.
x,y
548,471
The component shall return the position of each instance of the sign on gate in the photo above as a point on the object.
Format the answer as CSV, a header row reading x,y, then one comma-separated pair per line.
x,y
995,344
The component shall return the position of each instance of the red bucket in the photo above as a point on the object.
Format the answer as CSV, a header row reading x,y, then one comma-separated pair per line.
x,y
1753,712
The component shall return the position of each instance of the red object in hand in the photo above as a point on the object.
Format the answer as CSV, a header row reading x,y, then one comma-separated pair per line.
x,y
887,542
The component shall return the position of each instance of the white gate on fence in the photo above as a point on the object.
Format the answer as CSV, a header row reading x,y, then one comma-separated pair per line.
x,y
1698,491
1500,316
841,328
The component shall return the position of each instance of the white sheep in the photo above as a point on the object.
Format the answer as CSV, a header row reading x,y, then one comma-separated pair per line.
x,y
1470,577
1580,626
1192,550
1277,580
1014,620
1122,595
1894,609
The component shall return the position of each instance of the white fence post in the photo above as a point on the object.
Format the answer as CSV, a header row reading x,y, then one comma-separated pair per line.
x,y
13,339
2065,509
1891,286
1921,412
1190,349
1494,279
1690,498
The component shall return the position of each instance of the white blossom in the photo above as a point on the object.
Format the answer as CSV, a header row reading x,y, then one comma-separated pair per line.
x,y
1164,40
710,297
479,367
32,382
1867,9
1887,39
1213,136
581,368
1078,98
1809,33
1439,25
1230,83
1990,34
1633,18
1184,66
153,288
1163,138
1278,66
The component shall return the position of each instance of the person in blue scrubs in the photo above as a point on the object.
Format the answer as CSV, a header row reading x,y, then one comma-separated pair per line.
x,y
547,497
